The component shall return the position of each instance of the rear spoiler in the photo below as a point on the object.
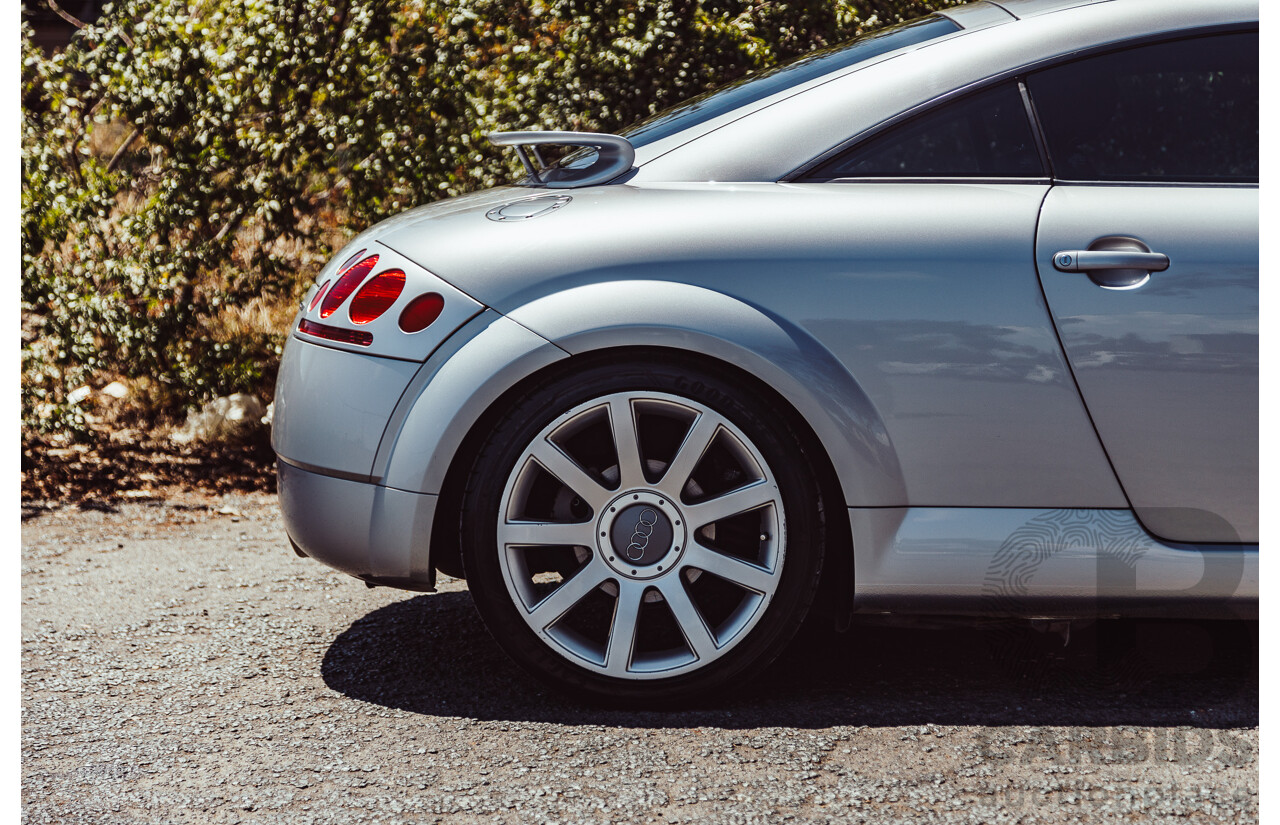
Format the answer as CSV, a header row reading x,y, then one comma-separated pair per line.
x,y
614,155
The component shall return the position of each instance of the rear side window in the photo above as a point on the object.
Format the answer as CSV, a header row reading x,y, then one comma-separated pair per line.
x,y
986,135
1180,111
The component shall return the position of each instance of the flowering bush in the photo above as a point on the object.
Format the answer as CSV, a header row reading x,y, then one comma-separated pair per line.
x,y
188,165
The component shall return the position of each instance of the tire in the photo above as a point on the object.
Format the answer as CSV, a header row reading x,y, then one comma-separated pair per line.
x,y
671,572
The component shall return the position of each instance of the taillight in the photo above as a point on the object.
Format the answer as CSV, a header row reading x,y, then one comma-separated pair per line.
x,y
346,336
349,261
375,297
346,284
319,294
315,300
421,312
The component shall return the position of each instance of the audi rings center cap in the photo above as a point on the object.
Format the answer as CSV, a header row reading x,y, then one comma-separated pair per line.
x,y
641,534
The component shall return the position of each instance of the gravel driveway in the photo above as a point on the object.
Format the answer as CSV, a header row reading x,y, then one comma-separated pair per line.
x,y
180,664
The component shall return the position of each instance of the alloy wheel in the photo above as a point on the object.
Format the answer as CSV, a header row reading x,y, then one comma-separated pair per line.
x,y
641,535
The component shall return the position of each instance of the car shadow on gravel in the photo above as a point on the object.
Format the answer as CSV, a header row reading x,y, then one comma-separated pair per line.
x,y
431,655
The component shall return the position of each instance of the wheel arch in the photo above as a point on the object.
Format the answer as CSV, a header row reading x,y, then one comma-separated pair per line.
x,y
445,552
714,332
762,345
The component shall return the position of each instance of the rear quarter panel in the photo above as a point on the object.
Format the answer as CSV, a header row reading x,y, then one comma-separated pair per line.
x,y
923,297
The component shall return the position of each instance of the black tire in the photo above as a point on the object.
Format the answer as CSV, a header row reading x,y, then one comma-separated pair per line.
x,y
795,568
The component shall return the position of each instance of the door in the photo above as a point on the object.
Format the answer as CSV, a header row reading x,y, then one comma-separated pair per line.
x,y
1147,250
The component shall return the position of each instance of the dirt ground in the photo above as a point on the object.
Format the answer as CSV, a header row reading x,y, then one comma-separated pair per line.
x,y
181,664
132,466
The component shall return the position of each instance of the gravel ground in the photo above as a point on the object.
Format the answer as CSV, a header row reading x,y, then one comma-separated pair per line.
x,y
180,664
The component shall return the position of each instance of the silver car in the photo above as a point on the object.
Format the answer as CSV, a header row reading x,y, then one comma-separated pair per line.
x,y
959,317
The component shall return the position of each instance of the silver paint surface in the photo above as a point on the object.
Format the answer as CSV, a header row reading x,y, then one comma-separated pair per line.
x,y
942,334
492,354
904,322
1049,562
331,406
361,529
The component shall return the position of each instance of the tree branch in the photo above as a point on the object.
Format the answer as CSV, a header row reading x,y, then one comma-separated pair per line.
x,y
79,24
236,217
124,147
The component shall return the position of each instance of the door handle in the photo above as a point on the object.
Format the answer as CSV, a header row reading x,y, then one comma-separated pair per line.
x,y
1114,262
1089,260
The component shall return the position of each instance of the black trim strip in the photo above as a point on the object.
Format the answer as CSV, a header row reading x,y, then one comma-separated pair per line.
x,y
342,475
1041,181
1036,129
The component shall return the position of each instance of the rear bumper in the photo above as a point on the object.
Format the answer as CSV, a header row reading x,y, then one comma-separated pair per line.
x,y
332,407
379,534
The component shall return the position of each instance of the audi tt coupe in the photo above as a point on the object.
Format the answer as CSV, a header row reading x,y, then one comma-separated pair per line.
x,y
958,317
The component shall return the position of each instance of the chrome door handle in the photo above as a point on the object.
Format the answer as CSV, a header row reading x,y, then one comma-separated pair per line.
x,y
1089,260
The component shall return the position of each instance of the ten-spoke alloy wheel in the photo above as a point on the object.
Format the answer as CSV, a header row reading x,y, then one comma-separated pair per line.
x,y
641,532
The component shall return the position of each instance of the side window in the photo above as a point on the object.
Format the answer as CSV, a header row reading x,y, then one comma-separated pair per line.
x,y
1180,111
986,135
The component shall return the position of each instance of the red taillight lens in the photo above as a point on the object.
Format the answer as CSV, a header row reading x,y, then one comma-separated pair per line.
x,y
346,284
346,336
350,261
315,299
375,297
421,312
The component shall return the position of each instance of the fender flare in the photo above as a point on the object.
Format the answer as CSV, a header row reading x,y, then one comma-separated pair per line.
x,y
493,353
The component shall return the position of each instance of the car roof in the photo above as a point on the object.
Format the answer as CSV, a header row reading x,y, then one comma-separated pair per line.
x,y
772,138
1029,8
966,17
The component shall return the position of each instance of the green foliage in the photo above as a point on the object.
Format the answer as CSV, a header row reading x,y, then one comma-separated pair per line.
x,y
185,161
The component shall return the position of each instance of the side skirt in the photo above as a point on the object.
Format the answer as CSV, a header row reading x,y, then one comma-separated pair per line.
x,y
1042,563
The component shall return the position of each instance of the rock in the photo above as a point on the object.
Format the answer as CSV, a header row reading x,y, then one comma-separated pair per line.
x,y
222,419
32,324
78,394
115,389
